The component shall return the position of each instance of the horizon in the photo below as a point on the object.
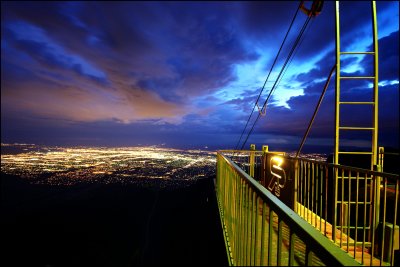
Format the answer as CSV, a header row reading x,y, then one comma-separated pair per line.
x,y
186,74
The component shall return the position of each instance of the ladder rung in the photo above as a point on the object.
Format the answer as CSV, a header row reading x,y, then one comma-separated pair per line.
x,y
357,103
357,153
356,128
357,77
356,53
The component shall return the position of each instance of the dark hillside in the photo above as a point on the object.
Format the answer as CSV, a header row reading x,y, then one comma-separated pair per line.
x,y
112,225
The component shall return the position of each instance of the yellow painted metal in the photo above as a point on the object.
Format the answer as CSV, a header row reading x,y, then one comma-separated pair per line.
x,y
337,91
374,77
340,179
252,148
337,112
357,103
252,223
357,77
376,80
261,230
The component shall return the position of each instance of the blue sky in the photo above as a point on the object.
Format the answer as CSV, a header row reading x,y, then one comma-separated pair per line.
x,y
185,74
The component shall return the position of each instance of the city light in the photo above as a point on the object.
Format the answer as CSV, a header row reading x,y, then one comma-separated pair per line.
x,y
68,166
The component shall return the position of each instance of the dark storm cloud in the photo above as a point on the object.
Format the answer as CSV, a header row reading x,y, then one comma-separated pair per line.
x,y
388,58
145,50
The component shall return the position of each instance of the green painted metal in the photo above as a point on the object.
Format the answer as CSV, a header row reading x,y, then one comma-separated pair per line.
x,y
255,231
249,214
252,148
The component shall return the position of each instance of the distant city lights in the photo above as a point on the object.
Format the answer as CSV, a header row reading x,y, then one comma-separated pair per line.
x,y
72,165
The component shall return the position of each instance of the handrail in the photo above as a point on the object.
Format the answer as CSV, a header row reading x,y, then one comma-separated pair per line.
x,y
355,219
345,167
239,195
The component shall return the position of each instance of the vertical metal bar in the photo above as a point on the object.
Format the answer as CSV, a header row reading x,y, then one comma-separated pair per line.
x,y
228,215
236,224
296,179
251,171
335,209
250,233
246,233
396,201
312,193
348,211
373,227
341,209
381,156
256,232
239,226
317,171
301,181
356,224
244,220
291,248
337,113
365,216
308,190
309,256
235,216
321,174
384,218
245,216
376,88
248,228
337,90
264,210
377,196
326,203
238,212
270,225
250,236
252,228
279,252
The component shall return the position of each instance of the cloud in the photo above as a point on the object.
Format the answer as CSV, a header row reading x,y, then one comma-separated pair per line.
x,y
182,70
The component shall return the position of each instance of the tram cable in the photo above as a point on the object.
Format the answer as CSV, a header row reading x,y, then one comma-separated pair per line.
x,y
295,45
315,111
270,71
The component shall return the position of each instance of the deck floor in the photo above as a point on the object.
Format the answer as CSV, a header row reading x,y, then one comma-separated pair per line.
x,y
341,239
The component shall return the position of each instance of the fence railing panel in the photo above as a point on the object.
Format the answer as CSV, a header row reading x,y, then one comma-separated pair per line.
x,y
353,207
261,230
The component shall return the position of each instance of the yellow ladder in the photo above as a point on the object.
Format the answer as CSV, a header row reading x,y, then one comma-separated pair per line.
x,y
343,203
374,102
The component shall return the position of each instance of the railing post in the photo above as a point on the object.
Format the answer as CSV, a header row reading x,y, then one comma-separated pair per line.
x,y
381,154
264,165
295,183
377,196
252,156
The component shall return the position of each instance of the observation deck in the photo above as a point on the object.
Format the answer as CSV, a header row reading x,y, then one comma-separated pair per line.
x,y
278,210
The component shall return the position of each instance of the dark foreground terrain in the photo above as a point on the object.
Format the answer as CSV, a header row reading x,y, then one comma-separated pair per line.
x,y
110,225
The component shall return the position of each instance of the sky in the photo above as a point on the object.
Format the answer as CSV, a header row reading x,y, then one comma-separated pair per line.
x,y
187,74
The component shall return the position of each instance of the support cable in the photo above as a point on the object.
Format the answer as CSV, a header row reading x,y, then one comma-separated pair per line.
x,y
270,71
315,111
277,79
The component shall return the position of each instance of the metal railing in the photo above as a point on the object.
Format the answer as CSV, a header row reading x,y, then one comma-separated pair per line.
x,y
261,230
352,210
